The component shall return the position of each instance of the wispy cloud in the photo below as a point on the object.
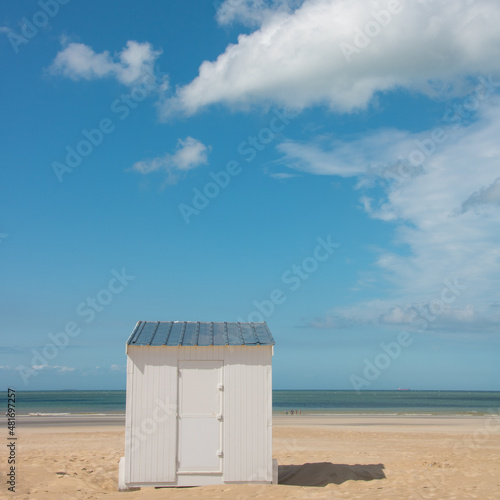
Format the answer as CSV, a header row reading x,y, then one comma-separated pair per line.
x,y
54,368
397,315
446,215
252,12
282,175
489,195
189,154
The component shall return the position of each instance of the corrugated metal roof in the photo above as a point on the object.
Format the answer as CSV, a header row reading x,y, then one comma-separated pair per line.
x,y
192,333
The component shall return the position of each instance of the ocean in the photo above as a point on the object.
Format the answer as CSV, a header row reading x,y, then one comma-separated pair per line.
x,y
308,402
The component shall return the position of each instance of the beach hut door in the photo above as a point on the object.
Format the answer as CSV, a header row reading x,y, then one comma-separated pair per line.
x,y
200,417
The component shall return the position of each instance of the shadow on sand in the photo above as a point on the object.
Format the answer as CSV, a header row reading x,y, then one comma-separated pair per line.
x,y
323,473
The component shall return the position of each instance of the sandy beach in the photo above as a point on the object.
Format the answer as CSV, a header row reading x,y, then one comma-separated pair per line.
x,y
324,457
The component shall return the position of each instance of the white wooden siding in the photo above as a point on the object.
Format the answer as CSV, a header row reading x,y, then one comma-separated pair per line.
x,y
248,414
151,414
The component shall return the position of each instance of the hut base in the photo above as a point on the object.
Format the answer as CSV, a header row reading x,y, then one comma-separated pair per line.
x,y
184,480
121,477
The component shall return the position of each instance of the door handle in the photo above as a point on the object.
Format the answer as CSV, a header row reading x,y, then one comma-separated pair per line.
x,y
219,417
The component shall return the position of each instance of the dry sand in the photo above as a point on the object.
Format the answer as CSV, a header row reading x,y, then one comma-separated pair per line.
x,y
320,457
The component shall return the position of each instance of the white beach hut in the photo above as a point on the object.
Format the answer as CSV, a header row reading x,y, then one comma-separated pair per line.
x,y
199,405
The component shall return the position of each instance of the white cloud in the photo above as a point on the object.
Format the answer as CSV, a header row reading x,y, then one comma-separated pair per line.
x,y
445,210
297,59
282,175
56,368
344,159
189,154
398,315
421,316
64,369
79,62
489,195
40,367
252,12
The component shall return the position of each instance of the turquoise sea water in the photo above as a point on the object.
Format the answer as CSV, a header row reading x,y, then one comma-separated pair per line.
x,y
309,402
387,402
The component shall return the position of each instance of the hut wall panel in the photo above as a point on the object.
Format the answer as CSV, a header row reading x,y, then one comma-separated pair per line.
x,y
151,417
248,415
128,415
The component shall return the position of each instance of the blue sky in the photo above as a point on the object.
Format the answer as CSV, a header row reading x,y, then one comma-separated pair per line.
x,y
328,166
